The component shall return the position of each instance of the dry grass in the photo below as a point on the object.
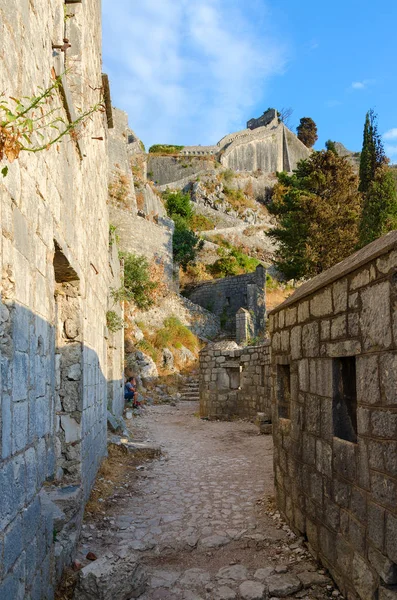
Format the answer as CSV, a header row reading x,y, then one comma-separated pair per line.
x,y
111,473
65,590
140,200
119,190
277,296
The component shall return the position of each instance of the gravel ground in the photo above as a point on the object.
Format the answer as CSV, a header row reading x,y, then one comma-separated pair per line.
x,y
200,518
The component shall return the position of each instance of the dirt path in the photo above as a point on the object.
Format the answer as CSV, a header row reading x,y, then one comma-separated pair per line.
x,y
194,516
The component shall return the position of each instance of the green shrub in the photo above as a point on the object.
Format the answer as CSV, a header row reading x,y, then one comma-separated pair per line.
x,y
232,261
137,286
113,321
227,175
165,149
178,204
186,244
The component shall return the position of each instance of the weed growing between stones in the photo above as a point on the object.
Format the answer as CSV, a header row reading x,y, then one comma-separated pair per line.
x,y
35,123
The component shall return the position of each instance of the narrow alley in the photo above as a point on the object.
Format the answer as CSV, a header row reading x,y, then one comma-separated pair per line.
x,y
201,517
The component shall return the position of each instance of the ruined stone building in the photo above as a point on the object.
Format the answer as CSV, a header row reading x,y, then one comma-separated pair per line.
x,y
235,381
334,368
225,297
60,367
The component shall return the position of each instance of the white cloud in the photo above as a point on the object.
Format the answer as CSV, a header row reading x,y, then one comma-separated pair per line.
x,y
187,71
362,85
391,150
391,134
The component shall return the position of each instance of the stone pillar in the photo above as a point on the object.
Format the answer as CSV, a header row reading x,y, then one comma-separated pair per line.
x,y
244,327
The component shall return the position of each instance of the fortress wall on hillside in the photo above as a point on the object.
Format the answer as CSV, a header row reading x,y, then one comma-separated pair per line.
x,y
167,169
257,154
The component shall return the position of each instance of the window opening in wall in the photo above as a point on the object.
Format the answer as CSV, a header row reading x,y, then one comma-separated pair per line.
x,y
228,300
284,390
263,375
234,378
245,298
345,399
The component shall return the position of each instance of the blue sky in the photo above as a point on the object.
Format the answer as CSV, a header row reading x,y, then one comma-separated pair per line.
x,y
191,71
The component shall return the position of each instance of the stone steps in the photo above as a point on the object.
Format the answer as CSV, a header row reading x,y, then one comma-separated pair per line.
x,y
191,391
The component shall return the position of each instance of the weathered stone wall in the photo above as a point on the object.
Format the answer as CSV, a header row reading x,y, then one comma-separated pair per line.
x,y
268,149
166,169
145,237
334,367
235,382
136,211
224,297
266,119
55,279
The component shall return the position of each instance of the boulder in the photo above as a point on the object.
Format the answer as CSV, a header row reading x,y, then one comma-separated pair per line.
x,y
283,585
168,359
117,575
142,365
252,590
185,355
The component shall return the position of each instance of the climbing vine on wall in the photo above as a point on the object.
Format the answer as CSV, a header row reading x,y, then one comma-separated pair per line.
x,y
35,123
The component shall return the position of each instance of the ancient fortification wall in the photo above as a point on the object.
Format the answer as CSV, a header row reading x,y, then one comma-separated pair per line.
x,y
56,275
167,169
268,148
334,367
224,297
235,382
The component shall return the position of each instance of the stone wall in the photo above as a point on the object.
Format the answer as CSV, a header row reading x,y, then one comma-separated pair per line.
x,y
142,236
266,119
224,297
268,149
55,280
334,369
137,212
167,169
235,382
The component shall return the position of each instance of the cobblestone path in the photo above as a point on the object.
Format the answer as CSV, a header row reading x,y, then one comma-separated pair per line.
x,y
195,519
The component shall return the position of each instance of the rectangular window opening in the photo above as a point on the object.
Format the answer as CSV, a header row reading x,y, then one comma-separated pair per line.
x,y
263,375
228,300
234,378
344,406
284,390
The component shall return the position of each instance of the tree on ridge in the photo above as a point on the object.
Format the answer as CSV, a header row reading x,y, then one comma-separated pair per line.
x,y
379,210
307,131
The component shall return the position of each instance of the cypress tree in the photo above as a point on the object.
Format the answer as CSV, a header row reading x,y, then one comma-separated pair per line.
x,y
379,210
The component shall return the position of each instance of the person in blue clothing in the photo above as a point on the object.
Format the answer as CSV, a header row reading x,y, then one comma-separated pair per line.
x,y
130,389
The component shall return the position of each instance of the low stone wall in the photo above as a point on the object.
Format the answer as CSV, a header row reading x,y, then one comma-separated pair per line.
x,y
235,382
334,365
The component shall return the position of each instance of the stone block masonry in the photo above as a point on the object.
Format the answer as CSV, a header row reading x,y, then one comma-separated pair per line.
x,y
224,297
56,274
334,398
235,382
